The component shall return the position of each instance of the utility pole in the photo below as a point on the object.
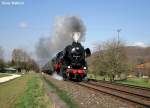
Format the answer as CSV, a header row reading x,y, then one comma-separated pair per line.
x,y
117,51
118,31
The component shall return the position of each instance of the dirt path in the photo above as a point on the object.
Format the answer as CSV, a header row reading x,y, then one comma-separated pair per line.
x,y
8,78
58,103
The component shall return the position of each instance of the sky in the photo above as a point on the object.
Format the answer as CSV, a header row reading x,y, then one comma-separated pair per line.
x,y
23,22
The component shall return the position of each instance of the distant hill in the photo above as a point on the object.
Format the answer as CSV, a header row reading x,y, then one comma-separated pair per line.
x,y
137,54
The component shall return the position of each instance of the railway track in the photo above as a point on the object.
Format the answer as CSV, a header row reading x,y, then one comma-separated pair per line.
x,y
138,99
119,84
142,91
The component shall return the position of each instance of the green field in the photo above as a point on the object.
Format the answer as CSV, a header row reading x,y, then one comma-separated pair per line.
x,y
97,77
4,74
131,81
24,92
135,81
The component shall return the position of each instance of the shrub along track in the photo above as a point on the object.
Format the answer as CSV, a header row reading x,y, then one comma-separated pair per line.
x,y
135,95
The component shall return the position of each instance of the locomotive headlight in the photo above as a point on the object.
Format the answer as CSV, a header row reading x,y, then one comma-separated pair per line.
x,y
84,68
69,67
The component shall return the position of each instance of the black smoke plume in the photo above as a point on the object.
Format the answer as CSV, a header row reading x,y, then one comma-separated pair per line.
x,y
60,36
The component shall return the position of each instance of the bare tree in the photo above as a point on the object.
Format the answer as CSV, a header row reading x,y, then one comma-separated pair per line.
x,y
111,60
1,52
2,64
20,58
23,61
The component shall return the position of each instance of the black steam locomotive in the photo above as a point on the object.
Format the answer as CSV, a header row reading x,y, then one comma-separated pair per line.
x,y
70,63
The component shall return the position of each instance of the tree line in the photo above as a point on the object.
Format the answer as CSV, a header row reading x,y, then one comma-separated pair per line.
x,y
2,63
20,60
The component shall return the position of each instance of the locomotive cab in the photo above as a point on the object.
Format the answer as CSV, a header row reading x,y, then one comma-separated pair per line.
x,y
87,52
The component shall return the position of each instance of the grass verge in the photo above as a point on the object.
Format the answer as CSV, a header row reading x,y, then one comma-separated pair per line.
x,y
4,75
34,95
11,90
62,94
135,81
97,77
131,81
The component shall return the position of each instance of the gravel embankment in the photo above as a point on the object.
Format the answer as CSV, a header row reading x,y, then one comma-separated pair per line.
x,y
89,99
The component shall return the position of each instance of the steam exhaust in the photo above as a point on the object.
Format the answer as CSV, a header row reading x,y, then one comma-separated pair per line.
x,y
65,30
56,76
